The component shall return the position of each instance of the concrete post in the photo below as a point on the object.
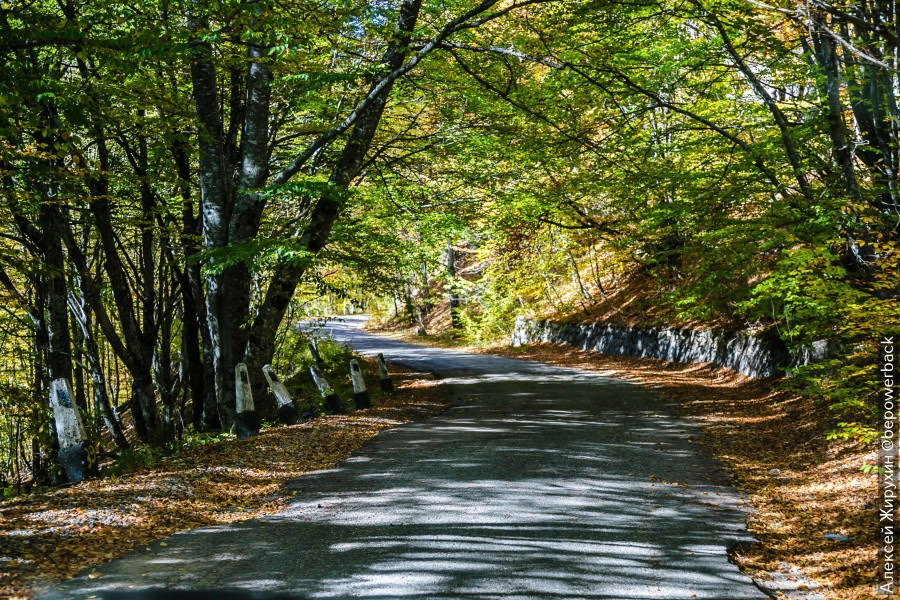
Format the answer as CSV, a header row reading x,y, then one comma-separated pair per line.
x,y
314,350
360,394
384,380
70,431
246,420
332,402
287,412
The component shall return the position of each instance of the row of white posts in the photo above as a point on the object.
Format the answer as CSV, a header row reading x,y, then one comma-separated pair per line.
x,y
247,421
72,436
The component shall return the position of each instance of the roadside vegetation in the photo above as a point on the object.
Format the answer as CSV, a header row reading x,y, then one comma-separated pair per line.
x,y
206,479
182,182
799,485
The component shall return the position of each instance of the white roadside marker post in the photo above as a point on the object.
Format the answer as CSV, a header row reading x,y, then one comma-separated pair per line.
x,y
384,380
246,421
314,350
360,394
332,402
287,412
69,430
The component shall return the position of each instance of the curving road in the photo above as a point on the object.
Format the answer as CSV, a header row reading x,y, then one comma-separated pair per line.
x,y
541,482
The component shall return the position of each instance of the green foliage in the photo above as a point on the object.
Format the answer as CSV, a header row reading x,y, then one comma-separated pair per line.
x,y
634,147
133,459
855,431
295,358
562,145
197,439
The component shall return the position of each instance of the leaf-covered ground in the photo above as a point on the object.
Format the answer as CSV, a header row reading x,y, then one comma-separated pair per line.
x,y
799,485
52,535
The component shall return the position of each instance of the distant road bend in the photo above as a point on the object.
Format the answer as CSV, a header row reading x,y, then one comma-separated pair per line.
x,y
541,482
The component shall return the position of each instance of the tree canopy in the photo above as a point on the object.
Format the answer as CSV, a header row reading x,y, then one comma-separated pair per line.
x,y
182,180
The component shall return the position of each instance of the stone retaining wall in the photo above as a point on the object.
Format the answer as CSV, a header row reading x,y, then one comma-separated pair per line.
x,y
751,355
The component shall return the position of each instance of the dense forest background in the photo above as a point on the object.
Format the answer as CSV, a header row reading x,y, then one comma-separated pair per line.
x,y
182,181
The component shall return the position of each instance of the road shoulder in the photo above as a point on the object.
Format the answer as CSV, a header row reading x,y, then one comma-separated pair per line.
x,y
800,487
53,535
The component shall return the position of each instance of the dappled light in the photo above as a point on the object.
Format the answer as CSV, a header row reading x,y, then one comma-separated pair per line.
x,y
193,193
575,486
61,532
771,439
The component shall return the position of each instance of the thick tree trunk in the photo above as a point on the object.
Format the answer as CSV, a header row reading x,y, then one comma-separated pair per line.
x,y
261,346
215,193
211,419
227,307
261,341
230,217
142,401
205,412
59,356
69,431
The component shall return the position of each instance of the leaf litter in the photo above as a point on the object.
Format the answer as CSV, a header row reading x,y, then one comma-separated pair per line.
x,y
54,534
799,484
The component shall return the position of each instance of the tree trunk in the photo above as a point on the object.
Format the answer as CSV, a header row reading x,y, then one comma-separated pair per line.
x,y
230,217
215,194
59,356
92,354
261,341
827,59
763,94
453,299
205,412
139,341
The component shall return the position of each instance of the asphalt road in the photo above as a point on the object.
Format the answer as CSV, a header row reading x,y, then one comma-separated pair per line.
x,y
541,482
